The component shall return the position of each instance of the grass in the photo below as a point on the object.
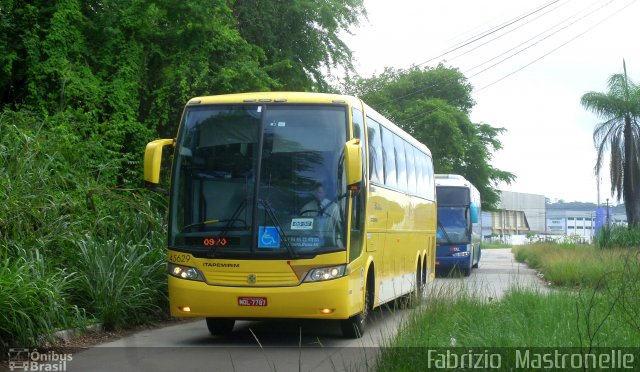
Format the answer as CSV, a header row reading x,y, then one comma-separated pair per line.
x,y
594,306
34,299
575,265
487,245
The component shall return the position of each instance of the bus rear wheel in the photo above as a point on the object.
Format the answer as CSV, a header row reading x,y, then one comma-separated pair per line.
x,y
354,327
220,326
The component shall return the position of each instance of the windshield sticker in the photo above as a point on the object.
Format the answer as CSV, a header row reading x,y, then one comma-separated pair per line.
x,y
302,242
259,108
268,237
302,224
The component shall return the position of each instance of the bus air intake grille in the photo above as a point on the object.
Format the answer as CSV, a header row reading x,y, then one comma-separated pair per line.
x,y
251,279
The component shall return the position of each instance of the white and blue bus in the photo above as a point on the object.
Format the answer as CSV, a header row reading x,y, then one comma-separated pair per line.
x,y
459,234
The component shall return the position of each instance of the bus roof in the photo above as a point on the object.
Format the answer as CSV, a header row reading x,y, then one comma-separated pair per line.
x,y
277,97
452,180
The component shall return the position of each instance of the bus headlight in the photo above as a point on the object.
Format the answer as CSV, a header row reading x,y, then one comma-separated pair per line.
x,y
185,272
326,273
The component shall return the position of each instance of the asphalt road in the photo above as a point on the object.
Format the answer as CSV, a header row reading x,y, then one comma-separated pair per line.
x,y
287,345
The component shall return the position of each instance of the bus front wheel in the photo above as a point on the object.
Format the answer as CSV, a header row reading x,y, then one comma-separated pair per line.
x,y
354,327
220,326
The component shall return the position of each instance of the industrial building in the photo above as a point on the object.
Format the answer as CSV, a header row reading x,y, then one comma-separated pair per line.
x,y
520,215
517,214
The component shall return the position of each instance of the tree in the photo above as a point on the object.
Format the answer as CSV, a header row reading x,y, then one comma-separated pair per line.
x,y
300,38
433,105
619,133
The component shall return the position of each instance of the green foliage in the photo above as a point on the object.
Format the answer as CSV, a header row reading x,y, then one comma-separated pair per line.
x,y
433,105
33,299
618,237
139,61
64,217
300,39
122,282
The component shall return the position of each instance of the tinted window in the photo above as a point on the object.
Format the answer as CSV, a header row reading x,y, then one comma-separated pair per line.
x,y
411,170
375,151
400,163
389,157
427,177
419,165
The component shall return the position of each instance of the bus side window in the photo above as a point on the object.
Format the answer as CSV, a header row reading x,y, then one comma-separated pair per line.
x,y
401,164
375,151
411,169
389,158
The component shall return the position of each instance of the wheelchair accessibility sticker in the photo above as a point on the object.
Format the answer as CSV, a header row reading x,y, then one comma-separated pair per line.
x,y
268,237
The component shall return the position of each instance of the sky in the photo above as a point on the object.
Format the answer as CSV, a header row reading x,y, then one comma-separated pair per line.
x,y
528,72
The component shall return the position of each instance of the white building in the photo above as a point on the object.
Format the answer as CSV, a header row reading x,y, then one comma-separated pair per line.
x,y
578,224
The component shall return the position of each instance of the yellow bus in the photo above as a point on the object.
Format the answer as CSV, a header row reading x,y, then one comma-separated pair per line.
x,y
294,205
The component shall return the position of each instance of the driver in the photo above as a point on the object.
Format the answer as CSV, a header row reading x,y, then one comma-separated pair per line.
x,y
320,206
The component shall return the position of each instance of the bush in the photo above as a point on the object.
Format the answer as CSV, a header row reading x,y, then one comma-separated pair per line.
x,y
70,233
121,282
618,237
33,299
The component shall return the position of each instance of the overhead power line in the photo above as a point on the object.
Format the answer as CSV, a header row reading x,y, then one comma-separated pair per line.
x,y
533,44
489,32
556,48
395,99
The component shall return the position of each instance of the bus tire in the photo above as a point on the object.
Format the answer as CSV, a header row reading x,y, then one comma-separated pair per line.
x,y
220,326
354,327
467,270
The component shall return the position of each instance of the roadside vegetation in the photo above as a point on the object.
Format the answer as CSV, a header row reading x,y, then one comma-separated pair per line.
x,y
75,247
593,303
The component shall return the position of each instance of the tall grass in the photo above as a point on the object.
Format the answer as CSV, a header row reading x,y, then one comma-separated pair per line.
x,y
574,264
121,282
596,307
521,319
33,299
618,237
97,243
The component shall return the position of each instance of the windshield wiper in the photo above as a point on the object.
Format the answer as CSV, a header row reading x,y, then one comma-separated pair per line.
x,y
283,237
444,232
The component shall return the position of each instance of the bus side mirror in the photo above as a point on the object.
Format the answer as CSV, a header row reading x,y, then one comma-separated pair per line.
x,y
353,164
473,209
153,160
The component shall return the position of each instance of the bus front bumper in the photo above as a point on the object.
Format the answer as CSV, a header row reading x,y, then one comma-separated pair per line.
x,y
319,300
451,262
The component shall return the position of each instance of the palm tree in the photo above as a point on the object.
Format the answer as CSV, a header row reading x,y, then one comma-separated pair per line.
x,y
619,132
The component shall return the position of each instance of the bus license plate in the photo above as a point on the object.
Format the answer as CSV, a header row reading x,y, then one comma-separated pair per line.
x,y
252,301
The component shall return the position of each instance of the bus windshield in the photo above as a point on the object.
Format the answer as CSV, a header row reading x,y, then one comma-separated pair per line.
x,y
453,225
261,180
